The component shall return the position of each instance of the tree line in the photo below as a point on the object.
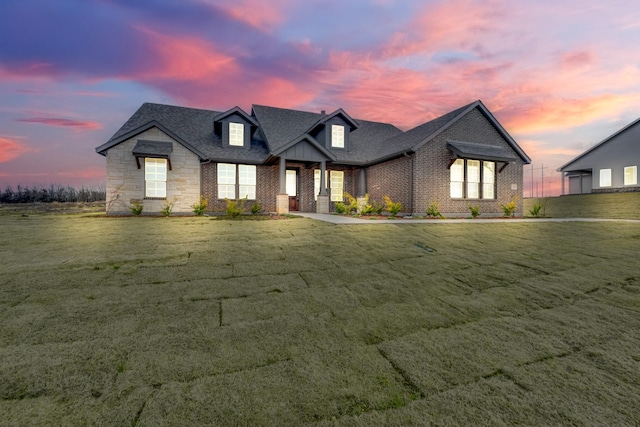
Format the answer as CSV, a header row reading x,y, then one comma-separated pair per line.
x,y
53,193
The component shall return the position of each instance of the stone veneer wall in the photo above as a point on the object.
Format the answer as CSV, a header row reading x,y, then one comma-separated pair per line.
x,y
125,182
432,182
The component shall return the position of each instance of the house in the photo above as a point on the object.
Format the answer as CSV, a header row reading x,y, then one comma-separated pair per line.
x,y
609,166
289,160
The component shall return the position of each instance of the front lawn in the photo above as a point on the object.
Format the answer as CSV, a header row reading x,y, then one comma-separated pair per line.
x,y
194,321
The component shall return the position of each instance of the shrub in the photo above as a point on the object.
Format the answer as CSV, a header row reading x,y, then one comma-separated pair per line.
x,y
200,207
433,210
256,208
392,207
166,210
235,207
371,207
538,209
510,208
136,207
341,208
535,209
376,207
475,211
353,203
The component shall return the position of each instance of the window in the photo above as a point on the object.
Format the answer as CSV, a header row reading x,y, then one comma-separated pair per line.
x,y
236,134
605,177
472,179
247,175
488,180
335,182
226,181
240,180
336,186
457,179
155,177
337,136
631,175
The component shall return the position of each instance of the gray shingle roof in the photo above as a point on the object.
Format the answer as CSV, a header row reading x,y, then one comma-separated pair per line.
x,y
470,150
193,128
370,142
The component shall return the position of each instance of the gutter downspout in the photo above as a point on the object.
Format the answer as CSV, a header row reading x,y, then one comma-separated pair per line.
x,y
406,154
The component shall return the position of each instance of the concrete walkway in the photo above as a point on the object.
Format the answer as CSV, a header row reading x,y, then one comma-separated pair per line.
x,y
340,219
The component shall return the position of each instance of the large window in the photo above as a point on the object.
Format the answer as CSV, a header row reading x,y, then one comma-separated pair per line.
x,y
155,177
631,175
472,179
605,177
236,179
335,182
337,136
236,134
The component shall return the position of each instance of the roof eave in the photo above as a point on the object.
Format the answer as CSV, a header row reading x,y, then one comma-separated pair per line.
x,y
153,123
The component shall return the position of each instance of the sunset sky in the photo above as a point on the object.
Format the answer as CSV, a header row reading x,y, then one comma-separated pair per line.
x,y
559,75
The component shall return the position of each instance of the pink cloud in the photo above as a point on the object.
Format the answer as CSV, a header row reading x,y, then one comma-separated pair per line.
x,y
64,123
263,16
577,59
553,114
184,58
10,149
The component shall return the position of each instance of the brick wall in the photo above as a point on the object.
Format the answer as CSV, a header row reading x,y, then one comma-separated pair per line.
x,y
391,179
267,183
125,182
432,182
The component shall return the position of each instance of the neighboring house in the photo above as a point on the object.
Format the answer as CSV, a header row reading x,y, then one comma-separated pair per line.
x,y
609,166
290,160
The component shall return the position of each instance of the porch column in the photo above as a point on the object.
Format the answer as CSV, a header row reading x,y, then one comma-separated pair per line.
x,y
282,198
362,189
322,203
323,185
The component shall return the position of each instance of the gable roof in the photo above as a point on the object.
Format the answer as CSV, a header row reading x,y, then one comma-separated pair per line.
x,y
413,139
282,126
239,111
604,141
279,128
191,127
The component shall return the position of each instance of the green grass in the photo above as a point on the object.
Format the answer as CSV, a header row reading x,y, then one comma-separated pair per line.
x,y
189,321
606,205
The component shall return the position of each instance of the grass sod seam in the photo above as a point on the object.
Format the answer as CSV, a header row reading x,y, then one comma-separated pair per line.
x,y
167,337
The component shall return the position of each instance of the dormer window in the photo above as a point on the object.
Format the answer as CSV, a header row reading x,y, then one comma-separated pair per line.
x,y
236,134
337,136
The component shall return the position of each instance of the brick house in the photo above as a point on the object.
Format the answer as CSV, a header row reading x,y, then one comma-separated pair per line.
x,y
291,160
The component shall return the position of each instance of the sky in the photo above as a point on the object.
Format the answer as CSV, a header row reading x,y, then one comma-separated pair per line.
x,y
560,76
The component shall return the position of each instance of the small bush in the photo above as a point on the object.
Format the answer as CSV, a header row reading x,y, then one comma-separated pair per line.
x,y
341,208
200,207
167,209
475,211
352,206
235,208
538,208
136,207
510,208
256,208
392,207
376,207
433,210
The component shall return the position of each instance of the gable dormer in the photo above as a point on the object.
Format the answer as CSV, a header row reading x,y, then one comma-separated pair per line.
x,y
235,128
333,130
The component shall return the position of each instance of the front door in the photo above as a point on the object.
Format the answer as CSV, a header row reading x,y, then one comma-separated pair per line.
x,y
292,189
